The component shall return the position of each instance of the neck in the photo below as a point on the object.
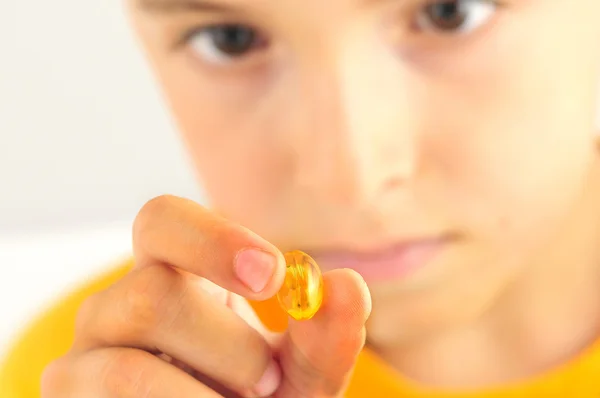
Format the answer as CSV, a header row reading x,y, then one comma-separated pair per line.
x,y
546,318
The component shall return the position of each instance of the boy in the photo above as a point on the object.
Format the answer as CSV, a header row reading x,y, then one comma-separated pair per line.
x,y
442,150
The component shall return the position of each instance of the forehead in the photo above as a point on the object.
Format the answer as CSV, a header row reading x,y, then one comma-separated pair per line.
x,y
200,5
241,5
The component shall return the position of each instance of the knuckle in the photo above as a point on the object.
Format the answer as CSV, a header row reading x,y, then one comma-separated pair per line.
x,y
144,222
86,314
55,379
127,374
149,299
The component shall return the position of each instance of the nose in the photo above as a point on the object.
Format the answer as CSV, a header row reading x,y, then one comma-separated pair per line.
x,y
360,142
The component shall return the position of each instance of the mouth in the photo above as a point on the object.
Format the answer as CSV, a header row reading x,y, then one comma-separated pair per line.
x,y
395,261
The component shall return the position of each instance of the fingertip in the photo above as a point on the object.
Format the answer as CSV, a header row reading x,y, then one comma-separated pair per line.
x,y
261,272
363,290
277,277
347,295
279,274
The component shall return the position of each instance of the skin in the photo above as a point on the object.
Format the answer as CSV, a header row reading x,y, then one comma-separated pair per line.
x,y
355,125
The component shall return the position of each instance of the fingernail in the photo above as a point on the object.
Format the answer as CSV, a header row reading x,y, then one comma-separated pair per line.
x,y
269,382
255,268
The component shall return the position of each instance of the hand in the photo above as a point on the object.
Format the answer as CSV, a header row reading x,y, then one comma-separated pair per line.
x,y
178,325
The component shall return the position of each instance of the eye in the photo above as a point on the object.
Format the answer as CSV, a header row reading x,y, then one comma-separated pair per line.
x,y
455,16
220,44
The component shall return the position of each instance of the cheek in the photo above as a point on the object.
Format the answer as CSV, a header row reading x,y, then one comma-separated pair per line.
x,y
516,146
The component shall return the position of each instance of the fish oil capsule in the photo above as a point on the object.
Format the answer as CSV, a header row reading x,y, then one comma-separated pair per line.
x,y
302,292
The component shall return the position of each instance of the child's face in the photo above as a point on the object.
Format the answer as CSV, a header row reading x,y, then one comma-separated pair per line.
x,y
360,125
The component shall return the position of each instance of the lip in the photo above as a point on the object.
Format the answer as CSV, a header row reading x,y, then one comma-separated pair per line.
x,y
396,261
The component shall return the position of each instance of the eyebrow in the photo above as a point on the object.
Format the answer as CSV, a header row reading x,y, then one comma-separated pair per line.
x,y
183,5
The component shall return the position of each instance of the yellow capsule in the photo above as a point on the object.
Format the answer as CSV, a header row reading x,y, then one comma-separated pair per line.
x,y
302,292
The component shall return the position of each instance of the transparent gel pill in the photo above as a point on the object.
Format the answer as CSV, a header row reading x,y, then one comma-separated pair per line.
x,y
302,292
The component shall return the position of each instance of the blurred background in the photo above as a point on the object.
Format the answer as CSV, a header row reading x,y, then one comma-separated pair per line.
x,y
84,142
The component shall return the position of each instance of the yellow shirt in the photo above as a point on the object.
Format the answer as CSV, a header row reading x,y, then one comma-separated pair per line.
x,y
51,335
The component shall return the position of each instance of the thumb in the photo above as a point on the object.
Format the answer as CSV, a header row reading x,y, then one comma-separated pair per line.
x,y
317,356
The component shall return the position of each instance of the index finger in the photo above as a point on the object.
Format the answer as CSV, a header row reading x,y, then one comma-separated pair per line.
x,y
183,234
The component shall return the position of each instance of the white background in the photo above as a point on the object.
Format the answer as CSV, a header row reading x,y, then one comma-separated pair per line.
x,y
84,142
